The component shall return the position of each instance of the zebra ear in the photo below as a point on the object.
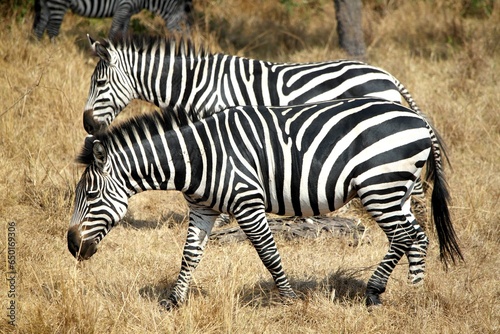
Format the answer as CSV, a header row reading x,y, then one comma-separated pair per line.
x,y
99,50
100,155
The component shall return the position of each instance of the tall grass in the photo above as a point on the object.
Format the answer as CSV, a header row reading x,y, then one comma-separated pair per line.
x,y
448,60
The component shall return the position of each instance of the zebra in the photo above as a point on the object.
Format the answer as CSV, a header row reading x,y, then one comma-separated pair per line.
x,y
247,161
168,72
172,73
49,13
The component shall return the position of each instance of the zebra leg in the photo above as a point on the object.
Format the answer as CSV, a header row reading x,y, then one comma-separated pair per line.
x,y
222,220
418,251
418,203
416,256
201,221
177,16
256,228
42,15
57,10
401,234
121,18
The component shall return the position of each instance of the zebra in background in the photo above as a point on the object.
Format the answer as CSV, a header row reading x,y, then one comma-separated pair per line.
x,y
170,73
297,160
49,13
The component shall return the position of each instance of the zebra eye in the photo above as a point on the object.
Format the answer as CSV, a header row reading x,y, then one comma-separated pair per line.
x,y
100,83
92,194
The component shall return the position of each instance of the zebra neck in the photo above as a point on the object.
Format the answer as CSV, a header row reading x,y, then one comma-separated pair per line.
x,y
162,162
168,79
201,82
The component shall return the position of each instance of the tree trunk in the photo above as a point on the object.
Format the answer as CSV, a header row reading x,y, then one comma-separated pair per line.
x,y
349,27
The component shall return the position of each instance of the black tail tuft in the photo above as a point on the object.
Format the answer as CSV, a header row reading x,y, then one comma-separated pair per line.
x,y
448,244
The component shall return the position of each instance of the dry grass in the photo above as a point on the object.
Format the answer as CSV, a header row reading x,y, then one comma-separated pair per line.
x,y
449,63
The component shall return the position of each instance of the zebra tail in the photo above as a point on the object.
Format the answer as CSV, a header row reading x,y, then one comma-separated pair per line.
x,y
448,243
408,98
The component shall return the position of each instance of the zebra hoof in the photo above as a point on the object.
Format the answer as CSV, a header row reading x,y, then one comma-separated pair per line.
x,y
372,300
168,305
288,298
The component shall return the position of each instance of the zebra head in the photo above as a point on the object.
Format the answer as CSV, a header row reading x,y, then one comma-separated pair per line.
x,y
111,87
100,201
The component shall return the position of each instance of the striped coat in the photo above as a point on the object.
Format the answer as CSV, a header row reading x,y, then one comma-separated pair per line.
x,y
49,14
246,161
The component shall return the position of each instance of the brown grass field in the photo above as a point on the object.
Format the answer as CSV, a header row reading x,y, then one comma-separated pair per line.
x,y
448,60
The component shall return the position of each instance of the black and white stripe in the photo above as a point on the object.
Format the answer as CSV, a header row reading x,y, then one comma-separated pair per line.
x,y
50,13
170,73
173,74
246,161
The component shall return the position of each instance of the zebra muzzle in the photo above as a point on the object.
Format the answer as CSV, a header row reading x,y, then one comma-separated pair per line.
x,y
80,249
90,124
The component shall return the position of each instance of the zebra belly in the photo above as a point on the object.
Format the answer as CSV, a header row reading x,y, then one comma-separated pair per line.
x,y
336,182
101,15
306,209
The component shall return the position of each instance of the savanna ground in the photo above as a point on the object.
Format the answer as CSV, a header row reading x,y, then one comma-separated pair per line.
x,y
446,53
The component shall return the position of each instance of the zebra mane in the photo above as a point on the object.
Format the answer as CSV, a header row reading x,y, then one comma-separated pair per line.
x,y
86,156
179,46
167,119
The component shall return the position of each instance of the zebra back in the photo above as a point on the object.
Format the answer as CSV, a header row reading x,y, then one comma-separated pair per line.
x,y
153,69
